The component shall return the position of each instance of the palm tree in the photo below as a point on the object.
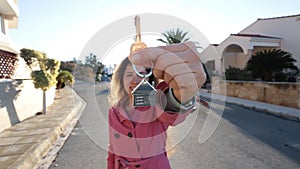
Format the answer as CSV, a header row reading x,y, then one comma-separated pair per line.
x,y
266,63
174,36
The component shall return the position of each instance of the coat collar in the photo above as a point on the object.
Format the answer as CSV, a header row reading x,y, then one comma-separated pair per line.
x,y
123,116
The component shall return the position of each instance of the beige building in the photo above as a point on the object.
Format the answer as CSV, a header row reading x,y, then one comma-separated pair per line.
x,y
278,32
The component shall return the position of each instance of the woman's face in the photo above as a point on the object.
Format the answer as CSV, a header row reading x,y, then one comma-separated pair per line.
x,y
131,79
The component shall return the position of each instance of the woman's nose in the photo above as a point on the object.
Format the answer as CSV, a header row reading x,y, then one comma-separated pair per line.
x,y
136,79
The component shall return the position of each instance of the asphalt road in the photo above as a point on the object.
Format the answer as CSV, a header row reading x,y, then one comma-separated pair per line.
x,y
243,139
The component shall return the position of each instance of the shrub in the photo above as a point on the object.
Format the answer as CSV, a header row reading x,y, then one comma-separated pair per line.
x,y
233,73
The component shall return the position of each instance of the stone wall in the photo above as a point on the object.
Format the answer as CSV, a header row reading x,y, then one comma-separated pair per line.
x,y
279,93
20,100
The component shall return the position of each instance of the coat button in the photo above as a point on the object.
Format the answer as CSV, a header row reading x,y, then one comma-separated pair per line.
x,y
117,135
129,134
137,166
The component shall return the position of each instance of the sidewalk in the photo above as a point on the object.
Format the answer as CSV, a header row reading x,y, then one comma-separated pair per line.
x,y
23,145
277,110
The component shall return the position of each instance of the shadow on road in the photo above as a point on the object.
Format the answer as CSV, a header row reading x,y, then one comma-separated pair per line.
x,y
281,134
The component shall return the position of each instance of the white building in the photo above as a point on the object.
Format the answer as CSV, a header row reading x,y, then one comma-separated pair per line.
x,y
9,13
18,97
278,32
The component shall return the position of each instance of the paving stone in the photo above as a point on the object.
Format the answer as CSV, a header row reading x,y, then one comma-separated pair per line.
x,y
9,141
14,149
30,139
18,133
28,126
7,161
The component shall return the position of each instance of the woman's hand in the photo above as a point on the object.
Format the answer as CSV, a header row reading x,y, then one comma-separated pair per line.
x,y
179,65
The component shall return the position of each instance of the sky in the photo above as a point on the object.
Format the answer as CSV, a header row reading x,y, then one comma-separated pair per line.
x,y
63,28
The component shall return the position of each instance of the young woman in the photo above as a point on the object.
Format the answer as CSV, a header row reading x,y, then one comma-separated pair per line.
x,y
137,135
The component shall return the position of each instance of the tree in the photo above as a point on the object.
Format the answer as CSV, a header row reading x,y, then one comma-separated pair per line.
x,y
64,77
92,61
172,36
45,77
98,69
266,64
68,66
31,57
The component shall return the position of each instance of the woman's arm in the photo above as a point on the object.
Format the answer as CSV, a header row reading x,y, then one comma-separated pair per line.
x,y
173,112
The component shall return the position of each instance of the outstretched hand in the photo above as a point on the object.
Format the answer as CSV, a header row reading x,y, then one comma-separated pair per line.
x,y
179,65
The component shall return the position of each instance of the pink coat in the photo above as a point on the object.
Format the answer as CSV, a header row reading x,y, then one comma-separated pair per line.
x,y
140,142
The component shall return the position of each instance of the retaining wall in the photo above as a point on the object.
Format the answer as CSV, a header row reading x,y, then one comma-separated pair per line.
x,y
20,100
279,93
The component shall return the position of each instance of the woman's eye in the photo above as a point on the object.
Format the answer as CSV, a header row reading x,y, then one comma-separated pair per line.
x,y
143,73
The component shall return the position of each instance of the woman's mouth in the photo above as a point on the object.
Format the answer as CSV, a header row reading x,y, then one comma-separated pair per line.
x,y
131,88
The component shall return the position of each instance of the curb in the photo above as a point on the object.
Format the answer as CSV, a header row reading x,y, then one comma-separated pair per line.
x,y
278,113
33,156
276,110
50,156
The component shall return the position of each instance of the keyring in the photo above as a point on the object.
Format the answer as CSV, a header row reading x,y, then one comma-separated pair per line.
x,y
144,94
141,75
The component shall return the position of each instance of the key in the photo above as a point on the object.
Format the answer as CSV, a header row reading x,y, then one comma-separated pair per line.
x,y
138,44
144,94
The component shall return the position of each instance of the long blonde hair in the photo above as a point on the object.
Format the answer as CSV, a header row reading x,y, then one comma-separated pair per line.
x,y
118,92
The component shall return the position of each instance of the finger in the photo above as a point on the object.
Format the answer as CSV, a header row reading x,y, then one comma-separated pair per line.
x,y
184,81
200,78
178,69
146,57
167,59
170,63
181,75
184,86
179,47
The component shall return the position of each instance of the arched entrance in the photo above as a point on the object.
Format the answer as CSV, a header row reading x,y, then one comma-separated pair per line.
x,y
233,55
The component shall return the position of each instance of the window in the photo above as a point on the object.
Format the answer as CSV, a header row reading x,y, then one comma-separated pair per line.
x,y
211,65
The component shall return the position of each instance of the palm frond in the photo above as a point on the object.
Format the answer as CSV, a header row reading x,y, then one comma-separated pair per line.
x,y
174,36
265,64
